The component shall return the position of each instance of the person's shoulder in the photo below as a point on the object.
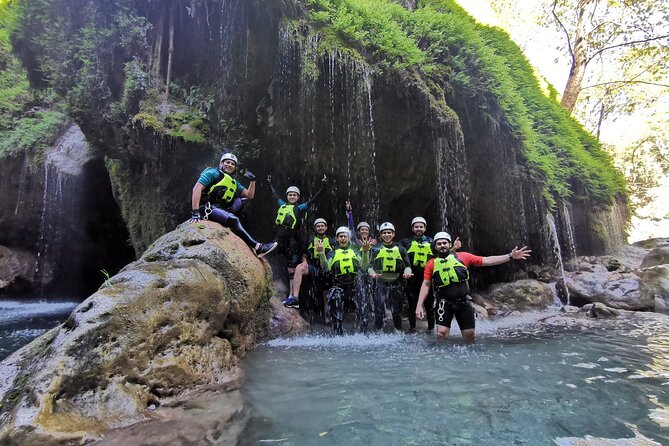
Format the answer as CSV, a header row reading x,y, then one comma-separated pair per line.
x,y
406,242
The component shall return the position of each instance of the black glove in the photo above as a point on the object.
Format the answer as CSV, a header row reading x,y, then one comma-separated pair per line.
x,y
195,215
250,175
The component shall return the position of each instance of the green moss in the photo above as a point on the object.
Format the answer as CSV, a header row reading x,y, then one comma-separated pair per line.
x,y
35,132
479,64
168,116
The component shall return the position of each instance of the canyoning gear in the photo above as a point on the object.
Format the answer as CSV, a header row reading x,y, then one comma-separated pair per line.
x,y
250,175
343,229
293,189
442,235
422,252
311,249
291,302
463,311
388,260
207,210
229,156
449,270
341,297
286,217
344,261
320,220
195,214
385,226
265,248
362,224
223,191
418,220
388,294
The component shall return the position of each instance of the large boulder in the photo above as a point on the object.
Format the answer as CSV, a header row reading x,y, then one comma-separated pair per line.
x,y
613,289
520,295
16,265
178,318
654,286
657,256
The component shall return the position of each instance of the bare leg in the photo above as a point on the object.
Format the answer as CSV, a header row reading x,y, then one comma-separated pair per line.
x,y
443,332
469,335
300,271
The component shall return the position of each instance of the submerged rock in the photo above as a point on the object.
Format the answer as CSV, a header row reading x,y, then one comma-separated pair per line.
x,y
178,318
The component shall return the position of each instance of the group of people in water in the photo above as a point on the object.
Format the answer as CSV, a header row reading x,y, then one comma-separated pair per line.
x,y
353,270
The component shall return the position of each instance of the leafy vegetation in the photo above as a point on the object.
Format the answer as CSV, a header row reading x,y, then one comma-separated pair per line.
x,y
441,41
21,128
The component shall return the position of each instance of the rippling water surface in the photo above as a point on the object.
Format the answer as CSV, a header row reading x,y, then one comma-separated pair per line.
x,y
522,383
22,321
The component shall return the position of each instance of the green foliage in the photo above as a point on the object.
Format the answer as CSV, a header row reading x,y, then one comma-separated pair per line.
x,y
35,132
480,64
168,117
14,91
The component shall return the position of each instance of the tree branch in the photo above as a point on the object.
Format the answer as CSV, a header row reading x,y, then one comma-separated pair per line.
x,y
630,43
625,82
566,33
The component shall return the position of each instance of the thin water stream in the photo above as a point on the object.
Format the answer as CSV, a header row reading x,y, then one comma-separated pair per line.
x,y
522,383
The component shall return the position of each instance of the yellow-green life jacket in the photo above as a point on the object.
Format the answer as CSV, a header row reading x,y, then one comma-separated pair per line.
x,y
449,271
345,261
224,191
285,216
313,254
422,252
388,260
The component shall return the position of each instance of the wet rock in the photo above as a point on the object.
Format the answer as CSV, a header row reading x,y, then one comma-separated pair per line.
x,y
481,312
654,285
599,310
653,243
520,295
16,265
285,321
657,256
178,318
569,309
614,289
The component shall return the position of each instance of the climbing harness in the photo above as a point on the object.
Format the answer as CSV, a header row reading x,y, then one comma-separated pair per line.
x,y
207,211
441,310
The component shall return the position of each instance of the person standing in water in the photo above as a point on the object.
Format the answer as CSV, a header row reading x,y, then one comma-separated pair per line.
x,y
448,275
345,263
214,197
389,264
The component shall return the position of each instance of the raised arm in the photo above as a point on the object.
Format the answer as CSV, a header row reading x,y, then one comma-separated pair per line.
x,y
515,254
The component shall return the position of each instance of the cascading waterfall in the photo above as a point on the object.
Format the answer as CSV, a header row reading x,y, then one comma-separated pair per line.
x,y
337,139
567,231
561,287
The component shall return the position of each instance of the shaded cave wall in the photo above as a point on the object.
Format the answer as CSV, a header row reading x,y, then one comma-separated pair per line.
x,y
293,105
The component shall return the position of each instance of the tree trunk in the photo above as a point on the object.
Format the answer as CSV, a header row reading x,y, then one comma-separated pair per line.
x,y
579,58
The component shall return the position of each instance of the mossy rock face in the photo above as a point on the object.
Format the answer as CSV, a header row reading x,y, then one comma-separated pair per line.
x,y
178,318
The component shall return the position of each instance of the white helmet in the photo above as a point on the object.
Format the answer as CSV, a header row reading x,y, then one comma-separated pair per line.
x,y
320,220
418,220
293,189
385,226
229,156
442,235
362,224
343,229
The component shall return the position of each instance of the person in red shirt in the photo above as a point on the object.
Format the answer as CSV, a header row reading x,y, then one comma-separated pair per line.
x,y
448,275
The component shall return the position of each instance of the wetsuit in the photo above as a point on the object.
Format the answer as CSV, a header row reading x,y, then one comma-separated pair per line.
x,y
288,222
450,285
391,262
345,264
419,250
319,277
219,200
363,281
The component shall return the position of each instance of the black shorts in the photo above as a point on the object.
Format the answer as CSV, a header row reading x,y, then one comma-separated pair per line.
x,y
463,312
